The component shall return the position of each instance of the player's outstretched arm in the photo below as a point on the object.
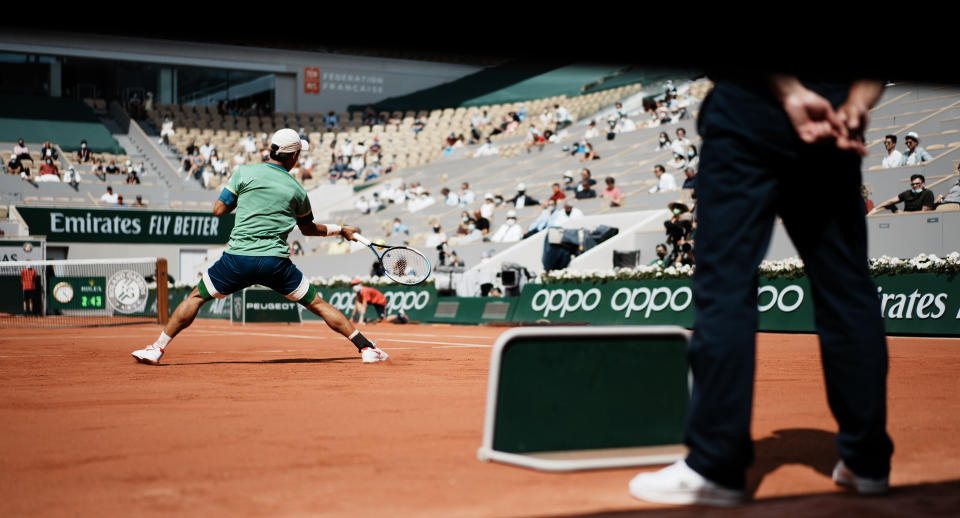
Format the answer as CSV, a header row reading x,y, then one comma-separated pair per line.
x,y
309,228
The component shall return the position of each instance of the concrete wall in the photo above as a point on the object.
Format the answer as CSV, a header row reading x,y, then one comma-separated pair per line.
x,y
343,80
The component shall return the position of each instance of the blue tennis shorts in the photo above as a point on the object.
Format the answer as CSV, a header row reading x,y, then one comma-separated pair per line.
x,y
234,272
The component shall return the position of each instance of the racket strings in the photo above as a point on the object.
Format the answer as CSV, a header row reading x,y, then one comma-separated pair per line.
x,y
402,263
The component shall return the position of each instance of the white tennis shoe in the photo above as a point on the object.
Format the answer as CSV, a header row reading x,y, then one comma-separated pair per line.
x,y
373,354
679,484
843,476
150,354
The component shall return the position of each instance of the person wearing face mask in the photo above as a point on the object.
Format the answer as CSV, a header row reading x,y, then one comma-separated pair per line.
x,y
48,151
693,158
522,199
915,199
83,154
437,237
21,151
510,231
399,227
567,213
465,221
661,259
664,142
49,172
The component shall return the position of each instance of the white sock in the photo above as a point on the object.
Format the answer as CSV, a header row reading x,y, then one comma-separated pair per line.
x,y
163,340
354,333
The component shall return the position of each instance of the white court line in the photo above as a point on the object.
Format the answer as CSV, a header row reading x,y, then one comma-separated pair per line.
x,y
465,346
37,356
379,339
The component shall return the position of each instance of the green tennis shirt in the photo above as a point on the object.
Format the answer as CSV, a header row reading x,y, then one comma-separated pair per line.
x,y
269,201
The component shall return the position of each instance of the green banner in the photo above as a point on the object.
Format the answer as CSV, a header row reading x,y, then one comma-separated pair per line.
x,y
127,225
418,302
265,305
912,304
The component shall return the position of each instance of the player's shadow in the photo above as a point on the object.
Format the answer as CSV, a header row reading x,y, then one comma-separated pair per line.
x,y
258,362
814,448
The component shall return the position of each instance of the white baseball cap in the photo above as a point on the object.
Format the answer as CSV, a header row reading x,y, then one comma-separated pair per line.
x,y
511,213
288,141
521,186
488,196
913,135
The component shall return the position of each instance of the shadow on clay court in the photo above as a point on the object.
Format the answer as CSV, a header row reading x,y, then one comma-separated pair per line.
x,y
815,449
256,362
934,499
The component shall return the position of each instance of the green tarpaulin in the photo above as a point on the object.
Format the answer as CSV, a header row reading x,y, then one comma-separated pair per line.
x,y
64,122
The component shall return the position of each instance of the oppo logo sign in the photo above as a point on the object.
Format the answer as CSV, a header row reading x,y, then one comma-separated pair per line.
x,y
650,301
564,301
342,300
786,300
406,300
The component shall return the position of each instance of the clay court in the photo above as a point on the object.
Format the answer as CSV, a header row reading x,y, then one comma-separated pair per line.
x,y
284,420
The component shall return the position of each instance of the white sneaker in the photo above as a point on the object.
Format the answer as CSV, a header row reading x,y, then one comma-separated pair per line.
x,y
373,354
678,484
150,354
843,476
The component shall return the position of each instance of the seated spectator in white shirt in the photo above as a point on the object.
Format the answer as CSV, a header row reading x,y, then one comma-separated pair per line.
x,y
679,146
21,151
486,210
166,130
893,157
486,149
510,231
72,176
665,182
363,205
915,154
625,125
693,157
677,162
449,197
592,130
206,150
109,196
568,212
562,116
437,238
664,142
466,195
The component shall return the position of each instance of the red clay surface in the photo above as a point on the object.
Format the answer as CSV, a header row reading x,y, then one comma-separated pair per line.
x,y
284,420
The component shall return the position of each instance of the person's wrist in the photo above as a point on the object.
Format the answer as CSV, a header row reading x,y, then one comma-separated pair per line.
x,y
333,229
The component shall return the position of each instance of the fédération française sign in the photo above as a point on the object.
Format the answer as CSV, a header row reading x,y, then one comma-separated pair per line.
x,y
127,225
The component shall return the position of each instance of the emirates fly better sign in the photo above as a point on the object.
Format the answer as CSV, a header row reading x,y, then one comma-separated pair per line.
x,y
127,225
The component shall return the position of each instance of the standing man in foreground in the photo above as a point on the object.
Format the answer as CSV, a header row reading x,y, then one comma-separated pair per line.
x,y
269,202
770,145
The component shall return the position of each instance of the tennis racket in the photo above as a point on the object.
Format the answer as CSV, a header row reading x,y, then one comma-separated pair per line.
x,y
401,264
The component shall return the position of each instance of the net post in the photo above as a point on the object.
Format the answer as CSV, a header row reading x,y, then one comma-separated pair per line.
x,y
163,300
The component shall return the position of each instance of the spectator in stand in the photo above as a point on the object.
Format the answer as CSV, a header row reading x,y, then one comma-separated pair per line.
x,y
916,199
197,164
664,142
400,228
661,261
120,200
206,150
337,169
510,231
483,224
680,145
625,125
691,175
132,176
557,193
678,162
562,117
417,126
450,198
522,199
166,130
543,219
867,202
72,177
48,151
589,154
665,182
592,131
465,220
139,202
112,168
331,121
21,151
15,166
568,183
894,157
466,195
546,118
559,217
486,209
479,124
585,176
535,139
612,193
109,196
693,157
953,195
249,145
363,205
48,172
585,191
83,154
915,154
437,238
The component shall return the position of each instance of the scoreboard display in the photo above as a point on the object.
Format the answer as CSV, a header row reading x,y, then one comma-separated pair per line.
x,y
78,293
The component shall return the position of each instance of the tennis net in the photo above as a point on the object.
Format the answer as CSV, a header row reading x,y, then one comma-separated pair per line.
x,y
83,292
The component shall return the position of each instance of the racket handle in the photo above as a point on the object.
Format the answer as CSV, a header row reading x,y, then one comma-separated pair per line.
x,y
361,239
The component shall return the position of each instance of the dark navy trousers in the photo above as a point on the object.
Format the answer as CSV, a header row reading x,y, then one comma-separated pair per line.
x,y
754,168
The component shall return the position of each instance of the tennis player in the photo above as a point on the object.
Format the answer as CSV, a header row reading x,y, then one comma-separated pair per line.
x,y
269,202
